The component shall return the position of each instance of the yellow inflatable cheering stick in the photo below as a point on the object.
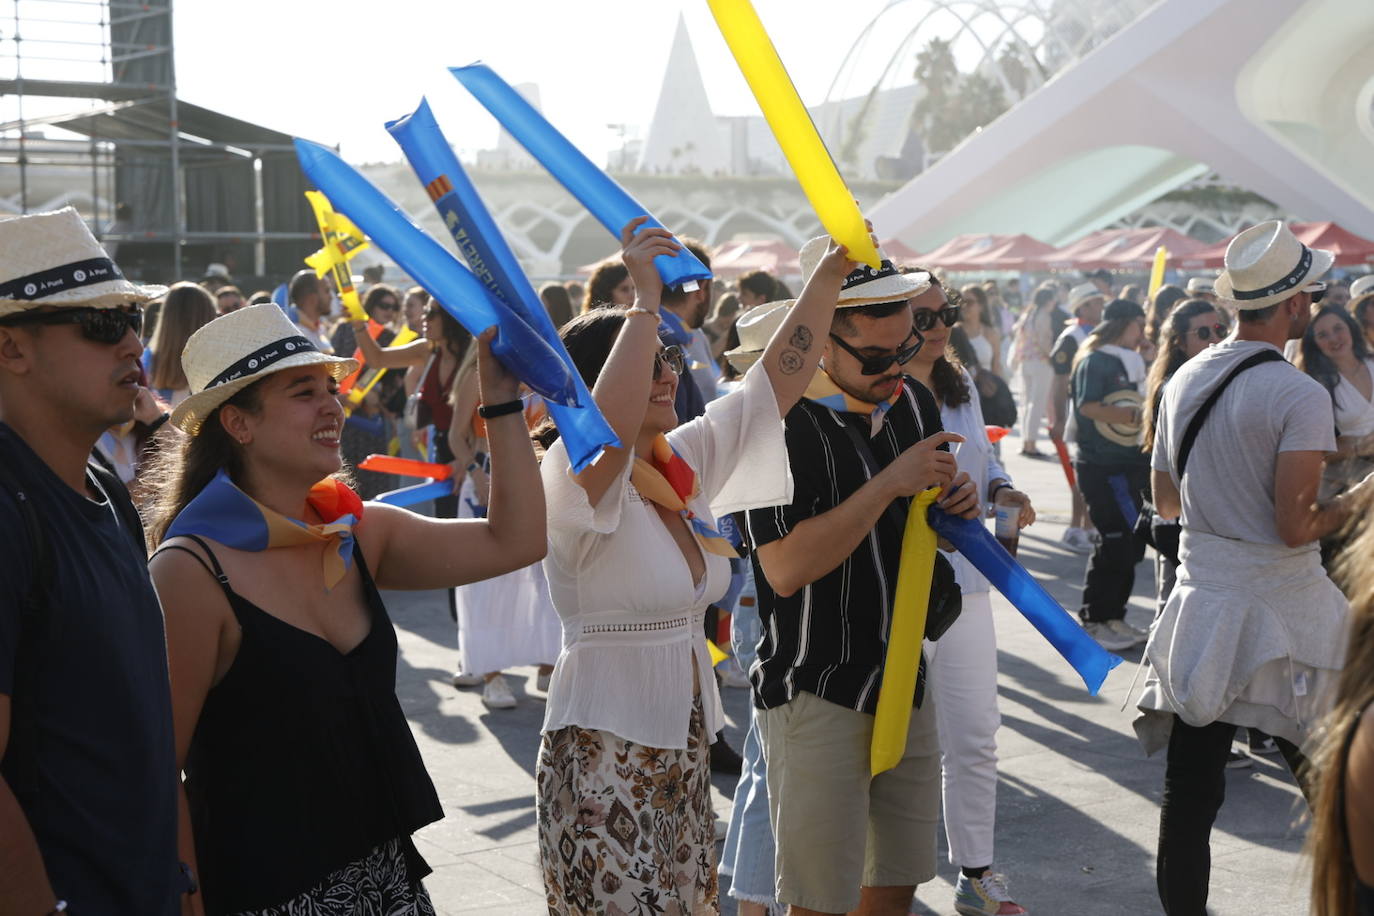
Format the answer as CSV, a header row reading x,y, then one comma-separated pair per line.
x,y
342,240
903,659
1157,271
793,128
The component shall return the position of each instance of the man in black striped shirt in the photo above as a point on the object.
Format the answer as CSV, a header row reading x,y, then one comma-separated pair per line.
x,y
826,570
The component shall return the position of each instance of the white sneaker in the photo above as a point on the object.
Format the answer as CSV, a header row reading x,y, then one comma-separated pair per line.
x,y
541,681
496,694
463,679
1126,631
1077,540
1108,638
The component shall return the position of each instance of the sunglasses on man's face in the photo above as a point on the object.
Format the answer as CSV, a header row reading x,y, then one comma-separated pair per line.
x,y
877,365
1315,290
671,357
924,319
106,326
1217,331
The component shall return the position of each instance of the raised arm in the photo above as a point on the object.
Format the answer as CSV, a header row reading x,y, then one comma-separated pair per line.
x,y
419,552
791,357
622,387
374,357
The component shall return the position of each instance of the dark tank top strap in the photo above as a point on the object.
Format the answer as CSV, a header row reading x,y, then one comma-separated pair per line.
x,y
212,567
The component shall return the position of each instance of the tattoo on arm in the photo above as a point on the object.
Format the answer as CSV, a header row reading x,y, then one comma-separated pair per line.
x,y
790,362
801,338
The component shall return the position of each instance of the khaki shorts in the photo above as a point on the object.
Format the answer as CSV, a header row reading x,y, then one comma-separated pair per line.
x,y
836,826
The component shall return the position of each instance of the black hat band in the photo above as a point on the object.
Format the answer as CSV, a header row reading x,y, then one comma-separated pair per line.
x,y
1288,282
261,358
866,274
59,279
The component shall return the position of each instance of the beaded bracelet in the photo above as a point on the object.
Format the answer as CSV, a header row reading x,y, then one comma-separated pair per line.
x,y
640,310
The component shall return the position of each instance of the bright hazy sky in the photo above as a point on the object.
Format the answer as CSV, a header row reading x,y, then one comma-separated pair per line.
x,y
334,72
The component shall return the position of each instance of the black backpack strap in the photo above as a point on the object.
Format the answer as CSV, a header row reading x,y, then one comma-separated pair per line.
x,y
43,571
1185,447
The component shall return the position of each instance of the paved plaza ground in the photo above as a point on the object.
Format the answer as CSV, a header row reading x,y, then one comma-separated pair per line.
x,y
1078,802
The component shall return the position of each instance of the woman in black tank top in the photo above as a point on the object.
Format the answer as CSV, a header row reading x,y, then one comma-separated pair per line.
x,y
302,779
1341,841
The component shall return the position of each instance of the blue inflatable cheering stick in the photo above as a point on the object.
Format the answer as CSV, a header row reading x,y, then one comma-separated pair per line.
x,y
583,429
519,347
599,193
972,539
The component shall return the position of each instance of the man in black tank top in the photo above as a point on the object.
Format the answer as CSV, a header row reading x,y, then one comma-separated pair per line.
x,y
88,781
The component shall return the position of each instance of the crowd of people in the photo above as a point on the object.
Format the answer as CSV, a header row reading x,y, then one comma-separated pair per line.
x,y
192,607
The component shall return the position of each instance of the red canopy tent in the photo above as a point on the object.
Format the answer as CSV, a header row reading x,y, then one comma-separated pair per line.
x,y
958,249
1120,249
740,257
1009,252
1349,248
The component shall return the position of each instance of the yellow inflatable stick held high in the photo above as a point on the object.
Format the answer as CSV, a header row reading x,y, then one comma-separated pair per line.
x,y
1157,271
909,607
342,240
793,128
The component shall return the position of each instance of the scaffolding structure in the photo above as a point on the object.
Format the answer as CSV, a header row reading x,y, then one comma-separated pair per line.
x,y
91,118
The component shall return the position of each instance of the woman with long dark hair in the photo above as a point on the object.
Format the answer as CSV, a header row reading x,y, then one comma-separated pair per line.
x,y
1161,304
963,663
635,558
1334,352
303,781
186,308
1341,839
1113,473
1191,327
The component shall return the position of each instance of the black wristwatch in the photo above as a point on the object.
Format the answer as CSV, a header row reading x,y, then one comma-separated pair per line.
x,y
487,411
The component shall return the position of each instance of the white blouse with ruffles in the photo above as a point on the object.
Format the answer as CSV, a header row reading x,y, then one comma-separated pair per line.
x,y
632,618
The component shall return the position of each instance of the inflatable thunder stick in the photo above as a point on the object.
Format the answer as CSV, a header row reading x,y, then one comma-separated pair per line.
x,y
418,493
902,662
1157,270
342,241
611,204
979,547
996,433
584,430
792,126
406,467
517,345
1062,449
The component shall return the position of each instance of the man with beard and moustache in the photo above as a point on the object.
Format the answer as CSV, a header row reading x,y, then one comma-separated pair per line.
x,y
684,312
825,566
88,776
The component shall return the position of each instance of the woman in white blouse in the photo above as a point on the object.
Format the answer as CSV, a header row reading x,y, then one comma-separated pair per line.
x,y
1334,352
963,663
624,804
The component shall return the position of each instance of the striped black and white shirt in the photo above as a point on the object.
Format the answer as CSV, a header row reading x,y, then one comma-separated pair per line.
x,y
829,638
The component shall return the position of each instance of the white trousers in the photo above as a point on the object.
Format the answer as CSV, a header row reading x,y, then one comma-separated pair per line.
x,y
1036,376
963,681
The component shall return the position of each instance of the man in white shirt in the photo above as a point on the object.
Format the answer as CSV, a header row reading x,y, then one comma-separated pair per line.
x,y
310,306
1253,634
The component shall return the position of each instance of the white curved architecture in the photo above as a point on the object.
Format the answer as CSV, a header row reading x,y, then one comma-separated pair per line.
x,y
1274,95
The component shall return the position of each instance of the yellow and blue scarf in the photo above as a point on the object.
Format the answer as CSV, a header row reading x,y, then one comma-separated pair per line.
x,y
823,390
224,513
669,481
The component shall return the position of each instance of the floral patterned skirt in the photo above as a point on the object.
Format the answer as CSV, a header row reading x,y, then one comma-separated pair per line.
x,y
627,830
378,884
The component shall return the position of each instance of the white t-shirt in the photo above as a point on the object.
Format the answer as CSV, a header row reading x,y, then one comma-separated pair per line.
x,y
1354,415
1269,408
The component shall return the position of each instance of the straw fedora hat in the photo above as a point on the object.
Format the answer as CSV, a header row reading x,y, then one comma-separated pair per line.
x,y
1083,293
1198,286
51,259
1361,286
1266,264
1127,434
756,327
235,350
865,285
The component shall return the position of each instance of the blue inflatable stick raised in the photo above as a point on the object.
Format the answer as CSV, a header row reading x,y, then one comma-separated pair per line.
x,y
584,430
972,539
417,493
599,193
519,347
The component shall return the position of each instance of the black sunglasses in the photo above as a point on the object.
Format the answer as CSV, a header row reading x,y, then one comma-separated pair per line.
x,y
673,358
388,306
106,326
924,319
1205,333
877,365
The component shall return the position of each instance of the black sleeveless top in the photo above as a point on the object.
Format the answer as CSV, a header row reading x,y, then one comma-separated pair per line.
x,y
302,761
1364,893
